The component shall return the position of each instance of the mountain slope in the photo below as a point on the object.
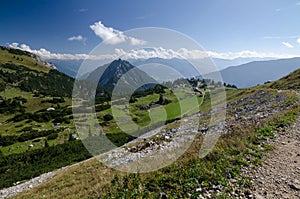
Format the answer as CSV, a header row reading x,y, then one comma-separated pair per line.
x,y
259,72
225,63
108,76
291,81
19,57
253,116
35,118
27,72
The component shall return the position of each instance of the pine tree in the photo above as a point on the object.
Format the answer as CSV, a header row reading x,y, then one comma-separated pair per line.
x,y
46,144
90,132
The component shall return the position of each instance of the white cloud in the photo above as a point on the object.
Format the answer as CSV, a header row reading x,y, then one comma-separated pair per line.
x,y
298,40
76,38
194,54
153,53
45,54
14,45
249,54
136,42
112,36
287,44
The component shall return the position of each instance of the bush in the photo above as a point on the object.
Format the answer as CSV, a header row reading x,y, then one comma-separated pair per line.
x,y
108,117
52,136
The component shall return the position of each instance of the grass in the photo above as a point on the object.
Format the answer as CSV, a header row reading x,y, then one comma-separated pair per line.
x,y
38,143
290,81
183,176
32,105
146,119
243,147
15,92
111,128
6,57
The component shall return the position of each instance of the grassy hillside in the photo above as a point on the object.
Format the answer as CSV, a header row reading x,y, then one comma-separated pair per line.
x,y
52,83
189,177
27,72
19,57
29,134
291,81
34,140
252,117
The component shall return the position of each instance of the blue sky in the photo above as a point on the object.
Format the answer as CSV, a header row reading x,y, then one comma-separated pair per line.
x,y
221,26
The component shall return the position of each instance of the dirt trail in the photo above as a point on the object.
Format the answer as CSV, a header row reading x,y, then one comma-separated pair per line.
x,y
279,175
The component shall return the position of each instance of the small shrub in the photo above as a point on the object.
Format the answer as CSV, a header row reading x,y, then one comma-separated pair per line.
x,y
108,117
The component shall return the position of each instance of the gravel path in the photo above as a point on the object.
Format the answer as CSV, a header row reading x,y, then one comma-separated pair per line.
x,y
279,176
14,190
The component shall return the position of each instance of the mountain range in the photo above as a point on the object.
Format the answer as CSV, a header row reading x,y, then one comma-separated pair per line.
x,y
71,67
37,124
244,75
259,72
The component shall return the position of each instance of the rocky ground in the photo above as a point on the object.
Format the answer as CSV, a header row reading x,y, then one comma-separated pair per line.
x,y
247,111
277,178
18,188
279,175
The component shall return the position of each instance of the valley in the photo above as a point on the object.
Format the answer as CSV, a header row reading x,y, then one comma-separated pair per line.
x,y
38,135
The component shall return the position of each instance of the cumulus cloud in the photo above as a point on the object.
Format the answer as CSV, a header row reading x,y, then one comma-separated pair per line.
x,y
78,38
113,36
148,53
298,40
46,54
287,44
14,45
152,53
194,54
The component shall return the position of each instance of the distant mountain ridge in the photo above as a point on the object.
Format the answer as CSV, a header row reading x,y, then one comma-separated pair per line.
x,y
68,67
244,75
181,67
225,63
258,72
71,67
